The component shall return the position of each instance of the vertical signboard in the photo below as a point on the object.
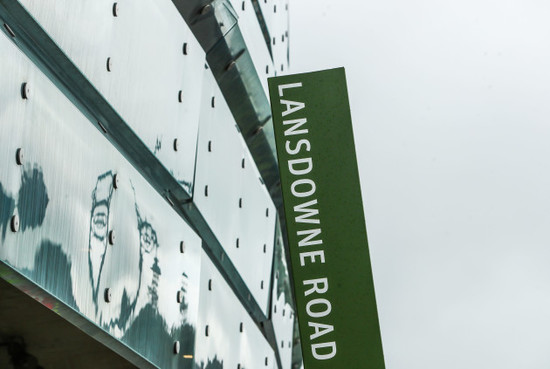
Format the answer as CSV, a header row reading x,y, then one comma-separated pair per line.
x,y
327,237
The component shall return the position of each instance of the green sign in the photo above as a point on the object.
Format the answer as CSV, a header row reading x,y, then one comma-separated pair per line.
x,y
333,283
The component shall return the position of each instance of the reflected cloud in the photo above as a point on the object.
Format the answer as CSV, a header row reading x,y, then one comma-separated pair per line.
x,y
7,206
32,198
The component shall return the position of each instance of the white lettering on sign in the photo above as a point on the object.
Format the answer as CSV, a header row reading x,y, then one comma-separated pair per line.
x,y
318,307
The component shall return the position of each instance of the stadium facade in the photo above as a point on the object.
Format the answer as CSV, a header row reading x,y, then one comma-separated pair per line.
x,y
140,203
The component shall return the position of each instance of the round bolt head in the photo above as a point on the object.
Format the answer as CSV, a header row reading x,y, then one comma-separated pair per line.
x,y
205,9
115,9
230,65
176,144
180,96
109,65
176,347
25,91
182,247
111,237
9,30
179,296
19,156
107,295
116,181
14,224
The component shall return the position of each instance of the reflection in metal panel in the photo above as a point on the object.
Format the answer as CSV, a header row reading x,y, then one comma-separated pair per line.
x,y
144,60
72,203
226,336
252,34
282,313
230,195
77,219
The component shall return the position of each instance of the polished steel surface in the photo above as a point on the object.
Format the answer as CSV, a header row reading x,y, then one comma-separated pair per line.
x,y
226,336
143,61
216,28
73,203
282,312
65,197
254,39
275,14
231,196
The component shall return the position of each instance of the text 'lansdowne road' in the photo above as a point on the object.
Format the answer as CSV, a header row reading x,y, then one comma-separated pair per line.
x,y
308,224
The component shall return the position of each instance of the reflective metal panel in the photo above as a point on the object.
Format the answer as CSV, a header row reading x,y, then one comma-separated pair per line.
x,y
282,313
226,336
144,59
275,13
78,220
283,323
231,196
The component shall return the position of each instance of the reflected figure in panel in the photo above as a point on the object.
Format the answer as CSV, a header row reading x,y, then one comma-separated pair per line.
x,y
148,260
99,226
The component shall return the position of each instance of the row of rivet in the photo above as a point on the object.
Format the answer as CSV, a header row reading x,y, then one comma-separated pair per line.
x,y
19,157
283,344
109,66
284,312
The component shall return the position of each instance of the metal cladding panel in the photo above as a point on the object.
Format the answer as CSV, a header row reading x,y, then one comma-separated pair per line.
x,y
227,337
254,39
144,60
282,313
231,196
279,36
283,323
79,221
275,13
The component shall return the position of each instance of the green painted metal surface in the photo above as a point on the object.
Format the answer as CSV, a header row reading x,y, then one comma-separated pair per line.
x,y
333,281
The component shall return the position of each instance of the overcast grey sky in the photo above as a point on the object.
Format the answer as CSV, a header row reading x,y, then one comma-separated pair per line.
x,y
451,109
